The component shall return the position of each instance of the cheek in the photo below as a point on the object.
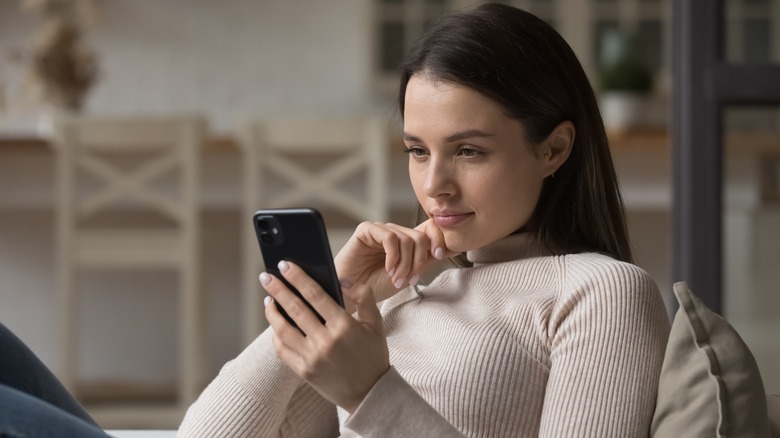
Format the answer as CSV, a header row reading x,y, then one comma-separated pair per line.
x,y
417,179
515,191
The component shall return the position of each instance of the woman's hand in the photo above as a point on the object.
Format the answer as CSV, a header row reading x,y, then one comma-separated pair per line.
x,y
388,256
342,359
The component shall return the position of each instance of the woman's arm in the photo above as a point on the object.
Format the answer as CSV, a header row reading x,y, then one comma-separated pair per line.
x,y
608,335
393,409
257,395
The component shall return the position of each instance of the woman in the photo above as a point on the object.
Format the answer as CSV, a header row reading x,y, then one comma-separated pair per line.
x,y
544,328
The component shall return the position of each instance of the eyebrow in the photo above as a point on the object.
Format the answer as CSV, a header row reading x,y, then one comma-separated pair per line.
x,y
470,133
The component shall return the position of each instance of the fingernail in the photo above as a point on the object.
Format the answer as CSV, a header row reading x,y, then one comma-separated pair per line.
x,y
413,281
391,273
283,266
346,284
438,253
266,301
398,283
265,279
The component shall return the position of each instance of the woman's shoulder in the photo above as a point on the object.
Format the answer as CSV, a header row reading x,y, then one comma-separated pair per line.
x,y
597,266
599,287
600,274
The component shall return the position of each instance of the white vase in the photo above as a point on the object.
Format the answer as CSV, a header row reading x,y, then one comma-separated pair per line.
x,y
46,117
626,110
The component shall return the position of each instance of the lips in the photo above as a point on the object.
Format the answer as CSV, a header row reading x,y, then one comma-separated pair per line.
x,y
449,218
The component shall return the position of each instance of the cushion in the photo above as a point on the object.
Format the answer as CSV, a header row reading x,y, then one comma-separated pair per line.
x,y
710,384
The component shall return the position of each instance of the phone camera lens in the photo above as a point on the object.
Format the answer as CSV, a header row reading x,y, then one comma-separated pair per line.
x,y
269,231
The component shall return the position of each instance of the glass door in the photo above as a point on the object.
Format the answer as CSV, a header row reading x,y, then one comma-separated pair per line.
x,y
751,189
726,165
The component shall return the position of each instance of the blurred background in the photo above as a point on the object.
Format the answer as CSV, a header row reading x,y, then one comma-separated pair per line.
x,y
236,62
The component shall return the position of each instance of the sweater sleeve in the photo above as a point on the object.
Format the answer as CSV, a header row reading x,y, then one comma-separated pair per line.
x,y
256,395
393,409
607,335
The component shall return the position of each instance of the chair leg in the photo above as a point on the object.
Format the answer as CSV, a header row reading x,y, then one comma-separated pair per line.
x,y
68,336
190,337
253,317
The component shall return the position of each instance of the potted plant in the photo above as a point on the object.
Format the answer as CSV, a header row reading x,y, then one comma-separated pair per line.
x,y
626,82
61,69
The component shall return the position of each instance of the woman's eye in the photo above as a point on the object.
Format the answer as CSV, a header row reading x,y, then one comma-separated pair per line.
x,y
468,152
415,151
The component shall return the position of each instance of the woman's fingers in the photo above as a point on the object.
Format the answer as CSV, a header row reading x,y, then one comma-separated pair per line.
x,y
311,291
287,339
286,336
438,246
394,245
294,306
416,255
408,252
403,253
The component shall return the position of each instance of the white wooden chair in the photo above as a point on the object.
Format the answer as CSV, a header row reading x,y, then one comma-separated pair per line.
x,y
337,165
123,166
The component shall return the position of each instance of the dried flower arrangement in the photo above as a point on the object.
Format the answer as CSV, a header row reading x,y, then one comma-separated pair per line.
x,y
60,68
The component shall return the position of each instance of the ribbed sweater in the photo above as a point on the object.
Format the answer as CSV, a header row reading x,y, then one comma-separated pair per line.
x,y
520,344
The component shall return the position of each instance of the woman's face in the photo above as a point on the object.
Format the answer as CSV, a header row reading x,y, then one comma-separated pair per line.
x,y
470,165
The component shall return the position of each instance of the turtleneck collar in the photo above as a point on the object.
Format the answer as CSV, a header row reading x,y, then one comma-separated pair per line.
x,y
513,247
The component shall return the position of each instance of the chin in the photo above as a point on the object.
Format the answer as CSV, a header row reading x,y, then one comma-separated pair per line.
x,y
456,242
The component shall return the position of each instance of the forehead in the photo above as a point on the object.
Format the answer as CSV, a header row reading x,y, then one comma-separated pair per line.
x,y
425,91
432,104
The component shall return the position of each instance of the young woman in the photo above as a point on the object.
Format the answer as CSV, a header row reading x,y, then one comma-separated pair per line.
x,y
543,329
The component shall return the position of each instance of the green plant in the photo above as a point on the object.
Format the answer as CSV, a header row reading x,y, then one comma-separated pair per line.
x,y
622,67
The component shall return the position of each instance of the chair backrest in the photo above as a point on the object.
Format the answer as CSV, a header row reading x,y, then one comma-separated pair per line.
x,y
112,164
338,165
127,198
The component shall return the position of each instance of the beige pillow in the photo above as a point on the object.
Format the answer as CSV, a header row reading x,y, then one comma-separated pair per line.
x,y
710,384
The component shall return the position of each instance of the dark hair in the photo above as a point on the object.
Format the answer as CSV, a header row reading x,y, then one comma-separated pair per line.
x,y
521,62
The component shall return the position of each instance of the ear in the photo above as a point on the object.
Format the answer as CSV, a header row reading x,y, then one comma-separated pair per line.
x,y
557,146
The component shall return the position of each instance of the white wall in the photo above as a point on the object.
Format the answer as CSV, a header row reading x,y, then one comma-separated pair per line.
x,y
229,58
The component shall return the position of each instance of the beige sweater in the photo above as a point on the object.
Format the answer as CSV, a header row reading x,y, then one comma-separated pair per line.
x,y
522,344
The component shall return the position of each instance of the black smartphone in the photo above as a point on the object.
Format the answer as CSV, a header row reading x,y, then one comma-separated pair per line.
x,y
297,235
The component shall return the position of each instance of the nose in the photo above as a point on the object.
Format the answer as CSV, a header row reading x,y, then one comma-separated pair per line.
x,y
439,178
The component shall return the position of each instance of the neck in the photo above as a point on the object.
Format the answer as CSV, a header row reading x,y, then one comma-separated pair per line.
x,y
513,247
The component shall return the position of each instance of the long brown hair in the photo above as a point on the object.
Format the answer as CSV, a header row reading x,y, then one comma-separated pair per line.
x,y
521,62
